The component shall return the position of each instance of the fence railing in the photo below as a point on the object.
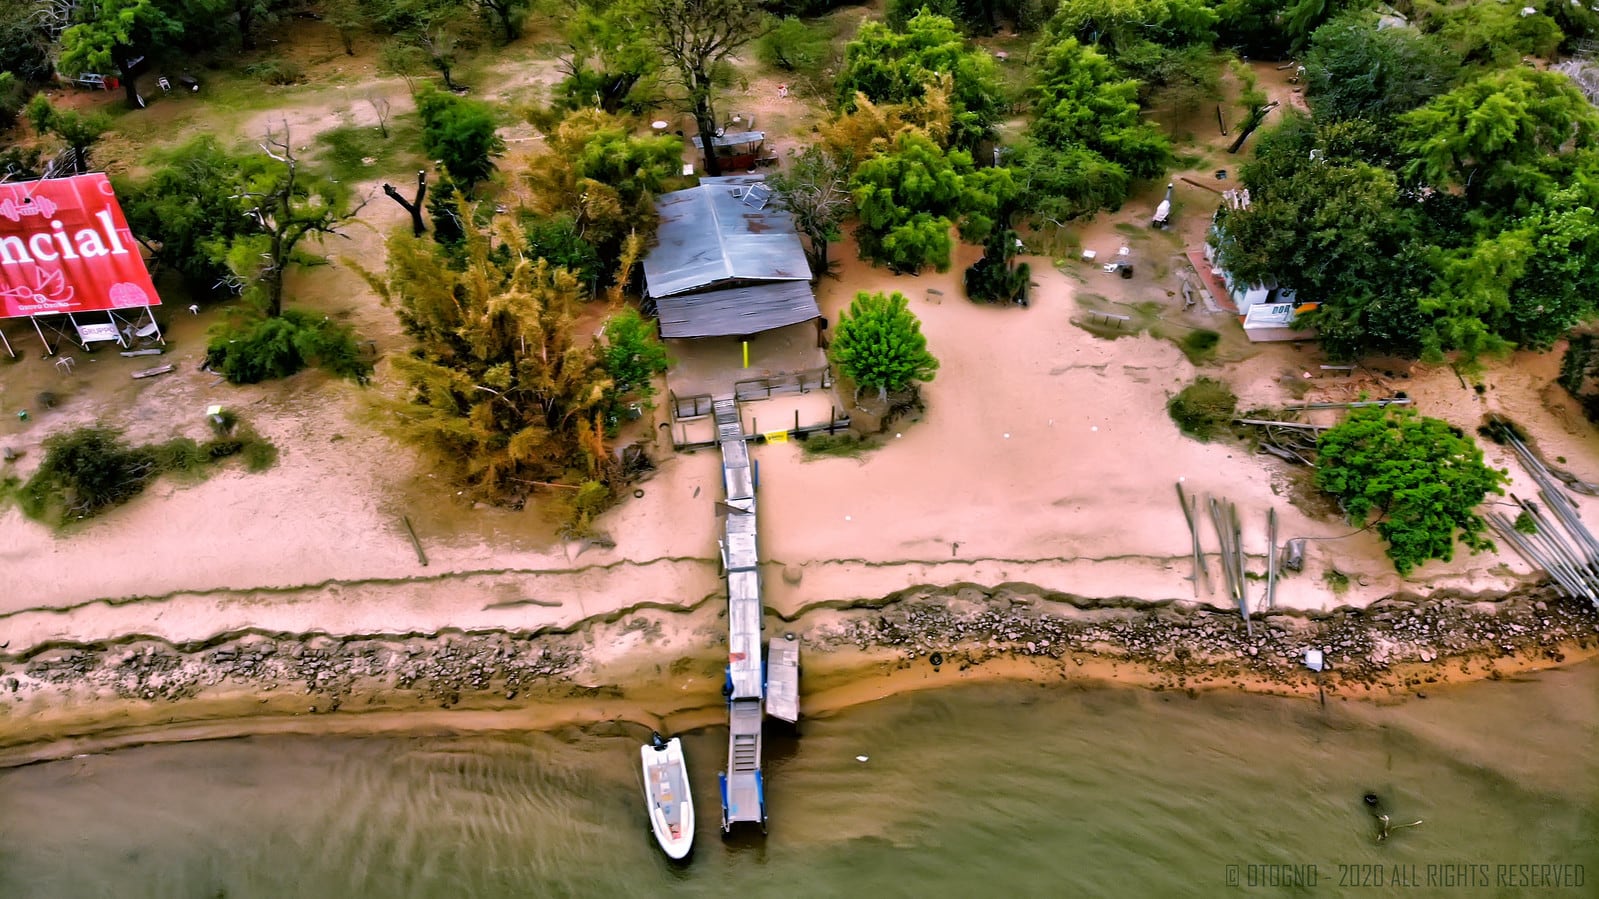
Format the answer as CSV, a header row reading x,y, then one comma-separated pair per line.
x,y
789,382
685,408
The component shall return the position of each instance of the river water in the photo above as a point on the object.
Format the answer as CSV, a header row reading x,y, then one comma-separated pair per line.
x,y
989,790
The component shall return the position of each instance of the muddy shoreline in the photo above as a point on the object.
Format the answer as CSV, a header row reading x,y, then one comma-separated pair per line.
x,y
663,668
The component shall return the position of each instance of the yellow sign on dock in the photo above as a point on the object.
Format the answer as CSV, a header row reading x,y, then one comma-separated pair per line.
x,y
776,436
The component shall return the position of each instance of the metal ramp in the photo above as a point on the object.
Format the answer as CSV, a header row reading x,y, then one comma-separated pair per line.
x,y
743,792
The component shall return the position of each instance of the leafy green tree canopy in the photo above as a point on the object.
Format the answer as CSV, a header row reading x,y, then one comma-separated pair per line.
x,y
1081,99
907,200
888,66
1357,70
1117,25
459,133
501,383
1419,478
1503,138
879,345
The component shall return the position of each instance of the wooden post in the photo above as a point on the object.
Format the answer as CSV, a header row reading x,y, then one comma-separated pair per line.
x,y
796,420
420,556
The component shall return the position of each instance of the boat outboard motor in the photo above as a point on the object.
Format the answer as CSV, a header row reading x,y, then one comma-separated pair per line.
x,y
1163,211
656,743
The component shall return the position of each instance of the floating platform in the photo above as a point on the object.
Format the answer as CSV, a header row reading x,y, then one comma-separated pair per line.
x,y
782,678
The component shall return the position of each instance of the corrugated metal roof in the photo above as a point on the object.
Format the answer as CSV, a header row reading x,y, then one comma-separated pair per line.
x,y
708,235
737,311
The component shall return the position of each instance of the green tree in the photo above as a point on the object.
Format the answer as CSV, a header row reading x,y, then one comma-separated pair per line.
x,y
632,355
815,190
1505,138
1493,35
1340,230
610,60
459,133
77,130
908,199
25,43
557,240
795,46
1082,100
879,345
110,34
1356,70
508,14
187,211
1118,25
894,67
695,38
287,205
602,177
500,385
1420,479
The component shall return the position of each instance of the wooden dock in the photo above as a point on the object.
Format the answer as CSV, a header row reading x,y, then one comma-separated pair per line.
x,y
748,679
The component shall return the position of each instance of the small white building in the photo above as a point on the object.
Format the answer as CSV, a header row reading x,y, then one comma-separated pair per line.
x,y
1259,305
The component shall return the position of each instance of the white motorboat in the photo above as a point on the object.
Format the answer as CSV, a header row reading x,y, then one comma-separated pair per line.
x,y
666,795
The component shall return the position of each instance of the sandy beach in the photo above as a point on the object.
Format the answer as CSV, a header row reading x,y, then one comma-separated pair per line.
x,y
1043,463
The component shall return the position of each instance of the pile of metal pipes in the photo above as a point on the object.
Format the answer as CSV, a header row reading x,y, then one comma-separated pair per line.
x,y
1558,542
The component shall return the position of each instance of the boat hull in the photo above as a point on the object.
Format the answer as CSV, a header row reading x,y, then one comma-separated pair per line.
x,y
667,797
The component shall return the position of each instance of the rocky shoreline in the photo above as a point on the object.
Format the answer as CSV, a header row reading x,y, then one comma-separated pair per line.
x,y
1399,643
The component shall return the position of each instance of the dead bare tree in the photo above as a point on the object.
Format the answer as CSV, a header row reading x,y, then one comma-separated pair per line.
x,y
289,205
418,227
381,107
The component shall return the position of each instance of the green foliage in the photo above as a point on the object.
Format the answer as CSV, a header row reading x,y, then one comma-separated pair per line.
x,y
995,278
1252,27
459,133
1118,25
798,47
344,151
898,13
1356,70
499,383
879,345
25,46
93,469
1081,100
845,445
250,350
1421,478
1198,345
1504,138
611,63
1492,34
586,504
888,66
1524,524
602,177
77,130
186,208
13,96
908,199
559,241
1203,409
1301,18
1086,142
276,71
632,355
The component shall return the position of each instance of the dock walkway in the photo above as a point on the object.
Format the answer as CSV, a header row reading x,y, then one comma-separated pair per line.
x,y
743,790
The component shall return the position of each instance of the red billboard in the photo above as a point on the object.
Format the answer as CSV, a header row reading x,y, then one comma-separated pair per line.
x,y
65,247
